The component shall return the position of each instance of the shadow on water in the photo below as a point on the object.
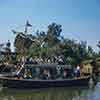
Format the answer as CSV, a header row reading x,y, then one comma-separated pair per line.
x,y
71,93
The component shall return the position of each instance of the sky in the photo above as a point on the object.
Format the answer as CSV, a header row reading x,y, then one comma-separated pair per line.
x,y
80,19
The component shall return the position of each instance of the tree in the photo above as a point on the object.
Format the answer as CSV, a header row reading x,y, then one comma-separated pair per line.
x,y
90,52
98,44
22,43
53,33
51,43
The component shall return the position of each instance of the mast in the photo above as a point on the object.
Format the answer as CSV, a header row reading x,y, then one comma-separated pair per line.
x,y
26,26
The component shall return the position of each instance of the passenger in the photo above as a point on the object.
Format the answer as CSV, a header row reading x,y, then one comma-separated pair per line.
x,y
60,61
17,68
82,70
65,74
46,74
75,72
78,71
19,71
27,74
23,60
41,60
49,61
31,59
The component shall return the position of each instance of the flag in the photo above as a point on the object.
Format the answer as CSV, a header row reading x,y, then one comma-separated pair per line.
x,y
14,31
28,24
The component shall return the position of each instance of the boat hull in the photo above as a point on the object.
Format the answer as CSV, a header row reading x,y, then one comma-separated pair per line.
x,y
15,83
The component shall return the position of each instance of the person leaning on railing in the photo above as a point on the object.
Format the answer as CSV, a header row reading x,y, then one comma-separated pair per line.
x,y
86,70
27,74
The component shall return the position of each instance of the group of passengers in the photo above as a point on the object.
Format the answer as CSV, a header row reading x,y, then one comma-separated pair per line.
x,y
39,60
24,73
21,72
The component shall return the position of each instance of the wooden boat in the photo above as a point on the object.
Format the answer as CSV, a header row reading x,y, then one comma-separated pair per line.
x,y
30,83
12,82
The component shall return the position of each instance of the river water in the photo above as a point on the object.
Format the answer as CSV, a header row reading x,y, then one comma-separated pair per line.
x,y
71,93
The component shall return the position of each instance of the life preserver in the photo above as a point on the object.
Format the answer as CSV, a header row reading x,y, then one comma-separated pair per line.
x,y
58,68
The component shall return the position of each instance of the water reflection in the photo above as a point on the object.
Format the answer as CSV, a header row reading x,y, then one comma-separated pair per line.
x,y
72,93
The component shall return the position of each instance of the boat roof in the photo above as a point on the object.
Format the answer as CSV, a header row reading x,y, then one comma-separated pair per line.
x,y
47,66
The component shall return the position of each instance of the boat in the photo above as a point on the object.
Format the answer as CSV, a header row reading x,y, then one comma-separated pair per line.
x,y
30,83
37,81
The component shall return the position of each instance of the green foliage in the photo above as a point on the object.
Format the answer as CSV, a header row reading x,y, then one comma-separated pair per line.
x,y
51,43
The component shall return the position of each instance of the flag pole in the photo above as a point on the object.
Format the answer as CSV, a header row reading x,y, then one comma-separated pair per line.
x,y
26,26
25,31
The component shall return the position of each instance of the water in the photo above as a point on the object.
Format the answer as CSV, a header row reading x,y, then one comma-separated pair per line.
x,y
72,93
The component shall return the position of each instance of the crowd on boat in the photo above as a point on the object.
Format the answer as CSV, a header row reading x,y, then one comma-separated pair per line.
x,y
22,72
74,71
39,60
